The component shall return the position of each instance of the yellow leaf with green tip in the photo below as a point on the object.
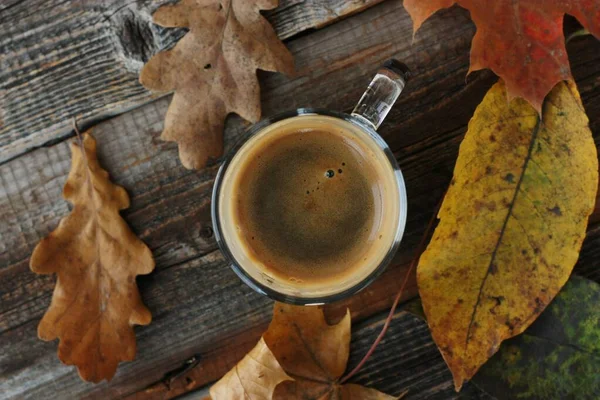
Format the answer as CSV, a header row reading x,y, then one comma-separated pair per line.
x,y
511,225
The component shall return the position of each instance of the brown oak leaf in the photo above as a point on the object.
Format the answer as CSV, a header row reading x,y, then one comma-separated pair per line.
x,y
314,354
96,258
212,70
253,378
520,40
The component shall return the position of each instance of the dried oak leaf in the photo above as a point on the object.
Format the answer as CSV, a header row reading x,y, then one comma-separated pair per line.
x,y
96,258
253,378
511,224
314,354
520,40
212,70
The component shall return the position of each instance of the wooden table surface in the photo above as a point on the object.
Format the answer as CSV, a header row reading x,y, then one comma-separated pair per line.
x,y
64,59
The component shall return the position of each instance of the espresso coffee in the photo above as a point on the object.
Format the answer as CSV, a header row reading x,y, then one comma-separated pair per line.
x,y
305,207
308,202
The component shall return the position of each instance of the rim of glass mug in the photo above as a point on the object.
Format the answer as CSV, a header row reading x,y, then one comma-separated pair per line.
x,y
367,116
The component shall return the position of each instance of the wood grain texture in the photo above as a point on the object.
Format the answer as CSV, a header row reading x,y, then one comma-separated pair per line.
x,y
63,59
414,365
200,307
294,16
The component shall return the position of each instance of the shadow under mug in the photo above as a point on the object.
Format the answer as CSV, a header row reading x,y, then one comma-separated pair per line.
x,y
364,120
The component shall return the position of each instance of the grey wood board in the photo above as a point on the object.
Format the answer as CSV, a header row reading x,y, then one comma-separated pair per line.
x,y
62,59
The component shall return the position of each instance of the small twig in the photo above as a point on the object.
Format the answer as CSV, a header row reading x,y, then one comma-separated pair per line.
x,y
177,373
413,264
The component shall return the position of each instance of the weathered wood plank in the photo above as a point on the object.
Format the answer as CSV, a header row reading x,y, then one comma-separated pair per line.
x,y
414,364
64,59
408,359
294,16
198,304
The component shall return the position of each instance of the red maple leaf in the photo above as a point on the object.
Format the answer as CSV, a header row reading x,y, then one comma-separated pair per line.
x,y
520,40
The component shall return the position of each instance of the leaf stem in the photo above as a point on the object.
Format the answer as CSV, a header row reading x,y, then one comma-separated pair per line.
x,y
82,147
388,320
76,129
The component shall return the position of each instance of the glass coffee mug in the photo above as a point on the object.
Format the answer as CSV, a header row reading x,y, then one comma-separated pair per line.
x,y
310,206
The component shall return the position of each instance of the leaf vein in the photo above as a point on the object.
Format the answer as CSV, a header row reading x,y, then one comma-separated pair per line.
x,y
311,354
534,135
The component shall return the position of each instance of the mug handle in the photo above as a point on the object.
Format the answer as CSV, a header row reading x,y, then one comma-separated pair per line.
x,y
380,96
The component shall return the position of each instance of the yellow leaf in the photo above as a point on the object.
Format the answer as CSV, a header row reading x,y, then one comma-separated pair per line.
x,y
212,70
96,258
511,224
253,378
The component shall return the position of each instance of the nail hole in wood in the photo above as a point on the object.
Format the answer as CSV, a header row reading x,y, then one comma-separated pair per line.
x,y
206,232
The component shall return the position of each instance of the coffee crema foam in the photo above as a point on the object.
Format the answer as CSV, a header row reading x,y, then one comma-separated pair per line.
x,y
309,204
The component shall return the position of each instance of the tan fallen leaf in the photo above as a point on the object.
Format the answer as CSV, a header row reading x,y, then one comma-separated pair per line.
x,y
253,378
314,354
212,70
96,258
511,225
